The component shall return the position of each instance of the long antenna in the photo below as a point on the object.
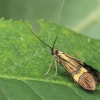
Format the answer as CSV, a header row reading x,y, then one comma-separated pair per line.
x,y
57,32
33,32
37,36
58,22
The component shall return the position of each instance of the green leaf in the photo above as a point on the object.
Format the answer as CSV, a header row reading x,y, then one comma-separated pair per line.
x,y
24,60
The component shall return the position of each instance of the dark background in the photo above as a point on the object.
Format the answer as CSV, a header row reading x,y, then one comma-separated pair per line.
x,y
83,16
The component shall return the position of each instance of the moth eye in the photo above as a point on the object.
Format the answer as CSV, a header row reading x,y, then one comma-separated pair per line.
x,y
52,52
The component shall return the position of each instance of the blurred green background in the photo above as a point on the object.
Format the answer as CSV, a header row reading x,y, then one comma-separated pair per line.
x,y
82,16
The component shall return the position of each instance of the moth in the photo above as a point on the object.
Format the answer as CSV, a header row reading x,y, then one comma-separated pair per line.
x,y
83,74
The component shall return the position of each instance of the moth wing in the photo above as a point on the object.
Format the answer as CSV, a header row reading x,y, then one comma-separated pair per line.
x,y
93,71
90,69
87,81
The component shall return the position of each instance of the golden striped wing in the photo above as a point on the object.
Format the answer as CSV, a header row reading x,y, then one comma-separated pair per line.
x,y
77,70
86,80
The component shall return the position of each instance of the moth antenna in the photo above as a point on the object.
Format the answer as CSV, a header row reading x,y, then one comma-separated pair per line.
x,y
34,33
37,36
58,22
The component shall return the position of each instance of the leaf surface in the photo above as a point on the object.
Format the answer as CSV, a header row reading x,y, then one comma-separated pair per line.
x,y
25,60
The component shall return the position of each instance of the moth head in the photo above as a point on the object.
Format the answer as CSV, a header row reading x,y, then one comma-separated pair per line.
x,y
54,52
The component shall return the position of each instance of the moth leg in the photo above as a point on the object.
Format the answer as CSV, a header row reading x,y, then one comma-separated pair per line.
x,y
56,68
49,68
